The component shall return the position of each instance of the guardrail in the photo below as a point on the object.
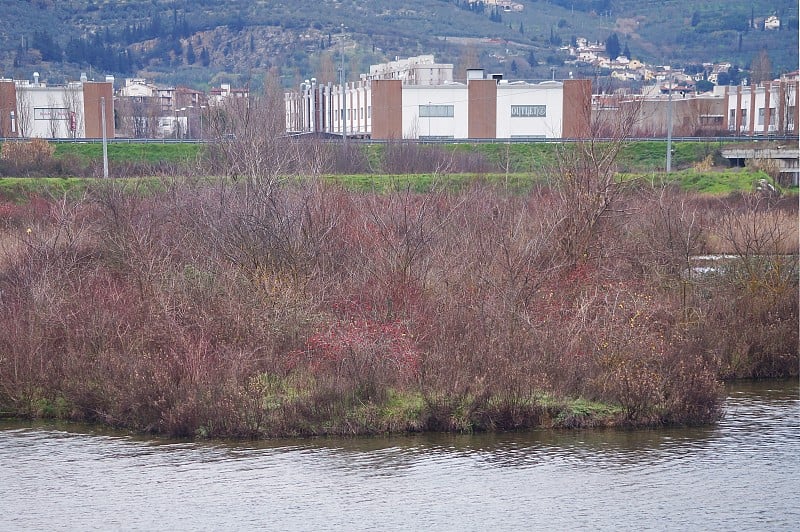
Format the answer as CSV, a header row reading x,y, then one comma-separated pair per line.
x,y
429,141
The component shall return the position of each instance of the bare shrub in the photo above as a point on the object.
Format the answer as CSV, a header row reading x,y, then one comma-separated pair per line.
x,y
23,157
223,309
406,157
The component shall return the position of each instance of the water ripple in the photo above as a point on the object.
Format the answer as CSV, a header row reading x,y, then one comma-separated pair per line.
x,y
741,474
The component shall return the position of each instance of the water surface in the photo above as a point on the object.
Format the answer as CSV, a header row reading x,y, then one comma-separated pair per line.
x,y
742,474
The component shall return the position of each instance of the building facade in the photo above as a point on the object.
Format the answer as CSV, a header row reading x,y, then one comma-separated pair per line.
x,y
391,106
767,109
34,109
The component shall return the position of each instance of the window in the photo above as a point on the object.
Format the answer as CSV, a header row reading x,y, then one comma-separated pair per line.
x,y
761,116
528,111
436,111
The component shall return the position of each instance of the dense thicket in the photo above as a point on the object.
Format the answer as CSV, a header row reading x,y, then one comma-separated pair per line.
x,y
257,307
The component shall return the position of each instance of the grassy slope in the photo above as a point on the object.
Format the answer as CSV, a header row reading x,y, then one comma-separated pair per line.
x,y
523,163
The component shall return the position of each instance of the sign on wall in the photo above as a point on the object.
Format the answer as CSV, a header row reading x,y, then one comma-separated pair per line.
x,y
50,113
528,111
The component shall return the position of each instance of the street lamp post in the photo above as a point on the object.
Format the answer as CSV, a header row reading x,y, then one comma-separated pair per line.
x,y
429,120
344,92
669,128
105,141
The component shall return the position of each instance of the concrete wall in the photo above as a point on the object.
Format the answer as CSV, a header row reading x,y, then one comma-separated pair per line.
x,y
92,94
387,109
415,126
61,111
547,96
8,109
483,112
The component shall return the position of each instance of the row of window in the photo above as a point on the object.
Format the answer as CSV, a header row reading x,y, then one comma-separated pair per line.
x,y
351,113
517,111
760,117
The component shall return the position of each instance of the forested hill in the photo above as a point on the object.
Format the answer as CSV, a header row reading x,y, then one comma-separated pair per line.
x,y
203,42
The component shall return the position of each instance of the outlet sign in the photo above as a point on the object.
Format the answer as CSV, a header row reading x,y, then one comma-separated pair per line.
x,y
528,111
50,113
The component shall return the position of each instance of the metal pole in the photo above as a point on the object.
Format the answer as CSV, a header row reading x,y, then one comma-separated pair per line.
x,y
344,94
669,128
105,140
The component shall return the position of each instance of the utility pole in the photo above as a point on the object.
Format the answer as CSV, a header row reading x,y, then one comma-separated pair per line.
x,y
344,92
669,127
105,140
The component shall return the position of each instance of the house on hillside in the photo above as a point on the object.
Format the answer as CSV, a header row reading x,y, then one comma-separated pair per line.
x,y
772,23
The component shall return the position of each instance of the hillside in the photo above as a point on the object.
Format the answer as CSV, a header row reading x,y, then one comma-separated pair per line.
x,y
205,42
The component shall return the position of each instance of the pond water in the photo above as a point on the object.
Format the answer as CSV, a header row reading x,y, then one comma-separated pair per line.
x,y
741,474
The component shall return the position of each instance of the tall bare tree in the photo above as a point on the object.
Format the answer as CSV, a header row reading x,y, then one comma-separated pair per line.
x,y
761,68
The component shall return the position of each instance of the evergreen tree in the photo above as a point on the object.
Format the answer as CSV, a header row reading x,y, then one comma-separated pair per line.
x,y
49,49
532,59
627,51
205,59
612,46
190,57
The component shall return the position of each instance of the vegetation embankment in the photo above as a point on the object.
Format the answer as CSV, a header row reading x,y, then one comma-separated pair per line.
x,y
259,307
516,166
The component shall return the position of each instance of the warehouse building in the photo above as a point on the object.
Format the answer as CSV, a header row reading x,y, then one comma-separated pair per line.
x,y
35,109
482,107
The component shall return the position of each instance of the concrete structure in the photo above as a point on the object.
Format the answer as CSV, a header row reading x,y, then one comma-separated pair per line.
x,y
219,94
420,70
692,114
767,109
35,109
391,104
786,159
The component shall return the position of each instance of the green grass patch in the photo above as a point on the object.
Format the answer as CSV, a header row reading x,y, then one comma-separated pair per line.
x,y
429,182
20,189
130,152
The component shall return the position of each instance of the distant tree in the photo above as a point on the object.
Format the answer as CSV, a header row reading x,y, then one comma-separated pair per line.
x,y
612,46
50,50
627,51
469,59
761,68
205,59
532,59
327,70
555,39
496,16
190,57
704,86
514,67
695,18
521,28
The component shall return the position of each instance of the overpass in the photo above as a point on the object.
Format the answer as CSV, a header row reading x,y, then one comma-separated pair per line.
x,y
785,156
